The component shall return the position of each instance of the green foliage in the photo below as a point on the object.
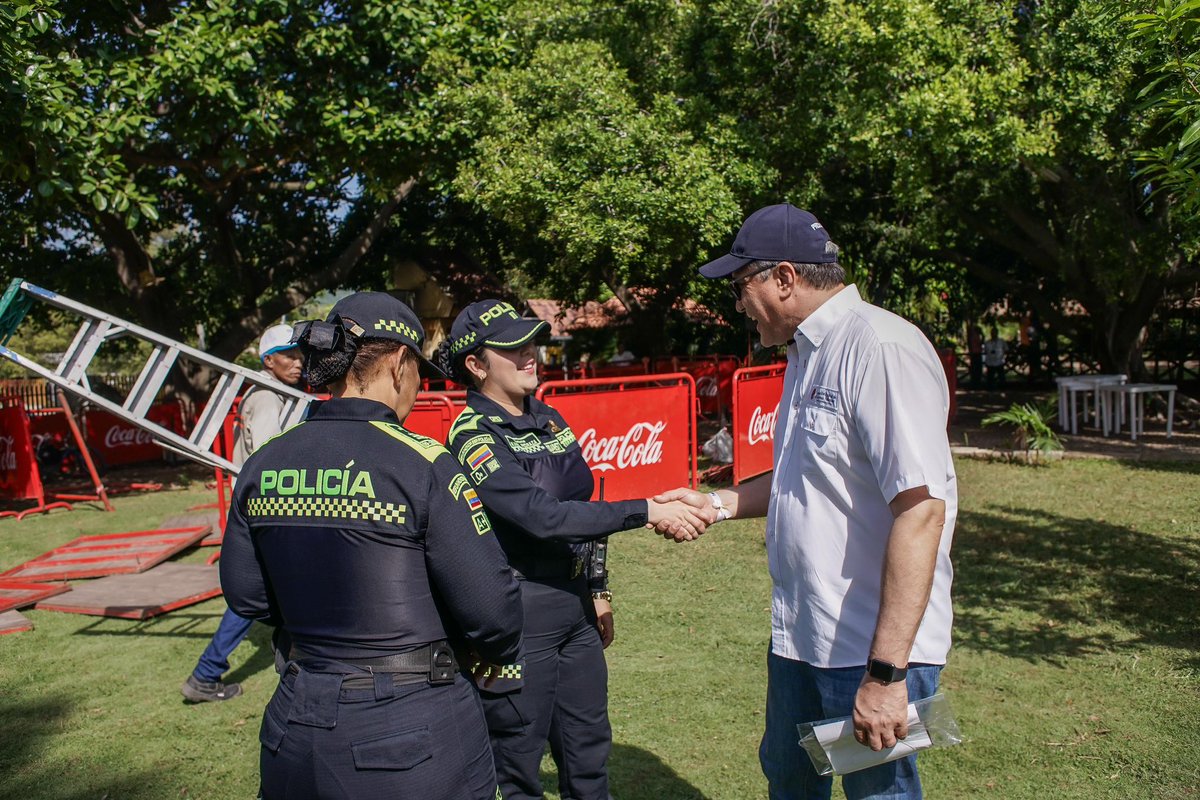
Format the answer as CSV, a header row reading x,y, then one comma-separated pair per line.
x,y
1169,32
597,188
1030,425
220,162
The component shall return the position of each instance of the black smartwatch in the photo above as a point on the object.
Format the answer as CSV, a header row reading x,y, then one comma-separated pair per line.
x,y
885,671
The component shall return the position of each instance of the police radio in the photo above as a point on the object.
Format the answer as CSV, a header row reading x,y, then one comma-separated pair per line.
x,y
599,567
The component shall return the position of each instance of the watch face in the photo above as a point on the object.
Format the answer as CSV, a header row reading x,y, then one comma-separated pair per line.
x,y
885,671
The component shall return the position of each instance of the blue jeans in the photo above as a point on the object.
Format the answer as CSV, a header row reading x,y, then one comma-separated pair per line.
x,y
799,692
214,661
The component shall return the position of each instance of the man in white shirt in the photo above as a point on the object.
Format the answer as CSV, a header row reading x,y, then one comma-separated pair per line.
x,y
860,506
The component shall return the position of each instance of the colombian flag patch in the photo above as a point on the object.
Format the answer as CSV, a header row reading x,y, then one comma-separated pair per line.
x,y
480,456
472,498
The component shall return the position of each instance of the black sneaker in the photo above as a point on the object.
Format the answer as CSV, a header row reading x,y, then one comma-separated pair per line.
x,y
199,691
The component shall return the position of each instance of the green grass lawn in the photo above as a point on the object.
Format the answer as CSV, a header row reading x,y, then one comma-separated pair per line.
x,y
1075,671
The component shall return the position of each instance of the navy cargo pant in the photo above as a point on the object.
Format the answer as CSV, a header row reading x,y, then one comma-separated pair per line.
x,y
566,682
324,742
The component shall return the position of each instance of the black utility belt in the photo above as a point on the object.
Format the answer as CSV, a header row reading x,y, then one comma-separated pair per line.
x,y
434,662
547,568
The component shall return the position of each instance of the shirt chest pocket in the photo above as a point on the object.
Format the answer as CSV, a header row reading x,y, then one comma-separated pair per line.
x,y
820,441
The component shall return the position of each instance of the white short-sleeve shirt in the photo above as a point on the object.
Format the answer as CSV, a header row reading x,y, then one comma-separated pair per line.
x,y
862,418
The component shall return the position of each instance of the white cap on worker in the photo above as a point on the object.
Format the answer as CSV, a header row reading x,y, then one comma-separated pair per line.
x,y
275,339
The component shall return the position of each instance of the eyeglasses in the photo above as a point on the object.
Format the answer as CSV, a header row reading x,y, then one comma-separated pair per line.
x,y
736,285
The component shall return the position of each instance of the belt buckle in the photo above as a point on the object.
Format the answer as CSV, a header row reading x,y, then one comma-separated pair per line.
x,y
441,663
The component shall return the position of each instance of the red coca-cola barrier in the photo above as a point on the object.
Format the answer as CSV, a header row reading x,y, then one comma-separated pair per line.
x,y
714,379
638,433
119,442
50,423
431,416
756,393
19,475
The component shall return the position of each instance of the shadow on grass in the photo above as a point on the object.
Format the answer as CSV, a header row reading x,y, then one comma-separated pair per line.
x,y
29,724
1081,579
172,624
1179,467
637,774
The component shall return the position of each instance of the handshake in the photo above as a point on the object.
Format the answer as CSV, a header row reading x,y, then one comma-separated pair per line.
x,y
682,514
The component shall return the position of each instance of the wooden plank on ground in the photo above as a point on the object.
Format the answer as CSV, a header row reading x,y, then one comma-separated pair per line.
x,y
211,518
18,594
14,622
141,596
108,554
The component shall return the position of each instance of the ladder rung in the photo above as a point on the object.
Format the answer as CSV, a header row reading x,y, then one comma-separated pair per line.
x,y
83,349
219,403
154,375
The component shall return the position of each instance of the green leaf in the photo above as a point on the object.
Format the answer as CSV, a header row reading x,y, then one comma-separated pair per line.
x,y
45,188
1190,135
99,201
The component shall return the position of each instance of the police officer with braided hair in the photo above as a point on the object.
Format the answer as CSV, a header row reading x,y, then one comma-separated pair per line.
x,y
530,473
370,549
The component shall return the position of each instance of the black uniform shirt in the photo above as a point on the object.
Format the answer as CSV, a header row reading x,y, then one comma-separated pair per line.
x,y
535,483
363,539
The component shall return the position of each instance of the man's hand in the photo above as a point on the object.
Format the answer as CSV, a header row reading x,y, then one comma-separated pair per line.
x,y
486,672
880,713
604,621
680,520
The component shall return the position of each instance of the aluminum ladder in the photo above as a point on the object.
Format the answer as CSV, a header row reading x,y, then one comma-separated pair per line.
x,y
98,328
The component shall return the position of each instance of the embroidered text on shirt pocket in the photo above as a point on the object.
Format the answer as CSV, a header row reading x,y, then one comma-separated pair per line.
x,y
821,441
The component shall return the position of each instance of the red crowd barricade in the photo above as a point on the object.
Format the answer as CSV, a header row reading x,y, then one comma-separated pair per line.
x,y
119,442
431,416
638,433
756,393
714,379
20,478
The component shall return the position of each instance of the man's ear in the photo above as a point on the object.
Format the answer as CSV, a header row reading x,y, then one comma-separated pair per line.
x,y
784,276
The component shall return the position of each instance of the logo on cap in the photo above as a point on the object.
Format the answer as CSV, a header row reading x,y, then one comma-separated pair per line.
x,y
497,311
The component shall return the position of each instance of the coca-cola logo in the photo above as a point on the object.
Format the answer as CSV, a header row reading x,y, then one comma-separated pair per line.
x,y
8,454
762,426
638,447
706,386
118,436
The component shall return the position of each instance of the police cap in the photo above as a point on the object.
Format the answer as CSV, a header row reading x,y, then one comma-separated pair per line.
x,y
494,323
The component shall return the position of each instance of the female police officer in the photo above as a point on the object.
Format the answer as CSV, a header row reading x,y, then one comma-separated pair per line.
x,y
535,484
369,547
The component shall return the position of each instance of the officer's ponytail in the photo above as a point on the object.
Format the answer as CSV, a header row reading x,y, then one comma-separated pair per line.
x,y
456,367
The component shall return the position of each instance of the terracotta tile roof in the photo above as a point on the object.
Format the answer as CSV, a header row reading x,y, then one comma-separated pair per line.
x,y
594,315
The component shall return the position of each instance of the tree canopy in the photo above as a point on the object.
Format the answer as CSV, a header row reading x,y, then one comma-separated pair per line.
x,y
220,162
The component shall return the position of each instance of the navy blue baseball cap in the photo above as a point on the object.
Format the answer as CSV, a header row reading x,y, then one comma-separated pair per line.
x,y
494,323
379,315
775,233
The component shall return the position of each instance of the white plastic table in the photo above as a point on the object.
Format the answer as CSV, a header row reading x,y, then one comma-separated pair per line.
x,y
1112,398
1086,386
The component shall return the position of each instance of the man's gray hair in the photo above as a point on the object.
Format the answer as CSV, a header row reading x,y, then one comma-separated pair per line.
x,y
819,276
